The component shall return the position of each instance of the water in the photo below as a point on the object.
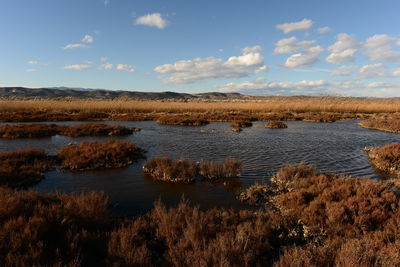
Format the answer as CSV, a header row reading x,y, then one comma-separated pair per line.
x,y
334,147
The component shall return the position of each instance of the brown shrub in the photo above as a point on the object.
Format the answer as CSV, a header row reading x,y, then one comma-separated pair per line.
x,y
52,230
95,155
181,120
24,167
28,130
386,158
96,130
168,170
392,126
211,170
256,194
241,123
275,125
288,177
187,236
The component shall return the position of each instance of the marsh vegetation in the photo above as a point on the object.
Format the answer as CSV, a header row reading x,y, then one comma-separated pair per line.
x,y
275,125
168,170
385,158
391,126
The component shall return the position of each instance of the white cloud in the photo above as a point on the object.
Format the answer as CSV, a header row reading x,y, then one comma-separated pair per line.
x,y
323,30
152,20
33,62
289,45
72,46
106,66
125,67
189,71
31,70
343,50
252,49
396,73
343,71
372,71
308,57
87,39
304,24
103,59
313,87
77,67
380,48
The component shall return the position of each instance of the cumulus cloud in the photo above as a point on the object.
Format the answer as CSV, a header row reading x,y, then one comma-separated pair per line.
x,y
323,30
152,20
396,73
343,71
308,57
252,49
72,46
289,45
33,62
343,50
77,67
189,71
103,59
304,24
31,70
261,86
87,39
372,71
106,66
380,48
125,67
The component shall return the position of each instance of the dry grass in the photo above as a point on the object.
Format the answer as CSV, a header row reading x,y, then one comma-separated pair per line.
x,y
96,155
96,130
29,130
275,125
24,167
268,104
269,108
386,158
168,170
211,170
391,126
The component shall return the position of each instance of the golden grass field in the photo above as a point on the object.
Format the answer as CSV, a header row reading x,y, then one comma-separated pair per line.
x,y
267,104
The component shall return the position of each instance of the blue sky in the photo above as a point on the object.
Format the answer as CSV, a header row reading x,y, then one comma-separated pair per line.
x,y
285,47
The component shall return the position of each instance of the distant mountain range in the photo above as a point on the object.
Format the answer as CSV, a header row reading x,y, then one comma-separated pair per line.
x,y
85,93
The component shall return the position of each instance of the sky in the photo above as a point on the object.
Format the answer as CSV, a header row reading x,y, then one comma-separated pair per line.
x,y
257,47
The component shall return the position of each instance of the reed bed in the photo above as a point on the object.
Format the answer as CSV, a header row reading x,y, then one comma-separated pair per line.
x,y
23,168
241,123
168,170
385,158
212,170
275,125
30,130
99,155
391,126
267,104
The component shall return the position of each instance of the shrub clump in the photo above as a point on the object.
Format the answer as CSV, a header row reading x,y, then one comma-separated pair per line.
x,y
97,129
29,130
181,120
24,167
256,194
241,123
210,170
52,230
97,155
385,158
275,125
168,170
391,126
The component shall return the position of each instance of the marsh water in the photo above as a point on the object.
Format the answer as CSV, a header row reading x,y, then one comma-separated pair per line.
x,y
333,147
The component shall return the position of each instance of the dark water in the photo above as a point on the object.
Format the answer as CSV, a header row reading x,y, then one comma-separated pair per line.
x,y
335,147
